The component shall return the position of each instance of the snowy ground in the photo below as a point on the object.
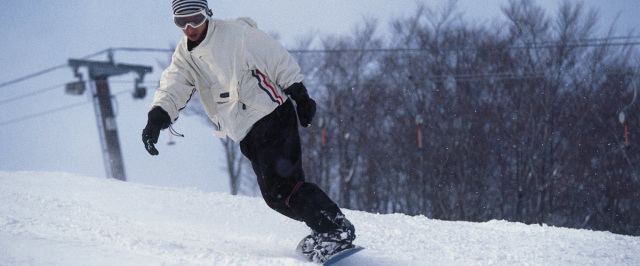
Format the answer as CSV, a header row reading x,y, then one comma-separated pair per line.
x,y
64,219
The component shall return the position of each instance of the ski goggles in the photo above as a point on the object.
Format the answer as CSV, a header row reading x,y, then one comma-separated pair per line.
x,y
193,19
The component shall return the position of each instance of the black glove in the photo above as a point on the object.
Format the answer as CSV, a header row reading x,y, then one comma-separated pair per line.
x,y
306,107
157,119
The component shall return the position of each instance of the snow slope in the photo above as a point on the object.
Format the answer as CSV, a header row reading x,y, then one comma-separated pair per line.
x,y
64,219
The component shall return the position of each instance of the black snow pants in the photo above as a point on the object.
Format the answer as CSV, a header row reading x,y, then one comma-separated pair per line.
x,y
273,147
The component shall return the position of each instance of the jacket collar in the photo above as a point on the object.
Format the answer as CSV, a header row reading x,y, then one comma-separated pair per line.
x,y
193,44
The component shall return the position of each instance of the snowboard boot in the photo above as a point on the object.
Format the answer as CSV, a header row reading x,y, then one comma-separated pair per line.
x,y
319,247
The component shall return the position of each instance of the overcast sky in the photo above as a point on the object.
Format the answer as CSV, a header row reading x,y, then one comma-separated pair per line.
x,y
43,129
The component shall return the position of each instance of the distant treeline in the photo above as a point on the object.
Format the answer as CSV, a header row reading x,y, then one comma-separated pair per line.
x,y
515,121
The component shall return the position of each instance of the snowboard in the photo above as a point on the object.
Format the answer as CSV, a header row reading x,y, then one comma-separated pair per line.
x,y
342,254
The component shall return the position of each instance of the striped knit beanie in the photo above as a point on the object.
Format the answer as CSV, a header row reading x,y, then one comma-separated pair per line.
x,y
181,7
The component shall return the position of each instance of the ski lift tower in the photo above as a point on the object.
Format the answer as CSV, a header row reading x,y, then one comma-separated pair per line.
x,y
99,72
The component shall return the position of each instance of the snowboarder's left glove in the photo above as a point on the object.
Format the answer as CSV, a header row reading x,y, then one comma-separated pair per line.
x,y
306,107
157,119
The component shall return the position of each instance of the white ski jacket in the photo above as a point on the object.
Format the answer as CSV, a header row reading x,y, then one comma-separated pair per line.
x,y
239,71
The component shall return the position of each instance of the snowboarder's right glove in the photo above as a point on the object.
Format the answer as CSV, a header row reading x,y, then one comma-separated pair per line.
x,y
158,119
306,107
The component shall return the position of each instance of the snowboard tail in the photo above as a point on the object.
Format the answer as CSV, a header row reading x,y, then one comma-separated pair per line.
x,y
335,258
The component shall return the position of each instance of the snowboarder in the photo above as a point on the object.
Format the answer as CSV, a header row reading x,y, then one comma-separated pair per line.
x,y
244,77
